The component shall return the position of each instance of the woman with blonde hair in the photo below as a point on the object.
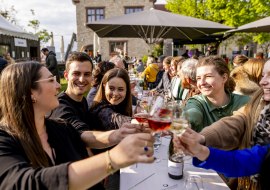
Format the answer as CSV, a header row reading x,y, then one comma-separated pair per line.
x,y
41,153
248,76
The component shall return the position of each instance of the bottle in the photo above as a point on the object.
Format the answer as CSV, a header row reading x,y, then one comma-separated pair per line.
x,y
175,163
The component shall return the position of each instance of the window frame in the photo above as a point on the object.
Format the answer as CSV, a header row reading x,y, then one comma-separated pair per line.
x,y
95,13
133,8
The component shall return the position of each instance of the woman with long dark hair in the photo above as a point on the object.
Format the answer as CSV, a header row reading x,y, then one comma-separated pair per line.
x,y
112,104
40,153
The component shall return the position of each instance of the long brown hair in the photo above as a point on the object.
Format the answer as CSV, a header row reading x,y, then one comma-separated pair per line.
x,y
17,112
221,67
100,70
126,105
253,110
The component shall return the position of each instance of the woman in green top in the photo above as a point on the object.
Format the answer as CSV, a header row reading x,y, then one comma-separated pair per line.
x,y
216,99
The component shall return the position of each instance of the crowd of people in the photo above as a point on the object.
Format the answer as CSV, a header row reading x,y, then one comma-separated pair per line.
x,y
81,137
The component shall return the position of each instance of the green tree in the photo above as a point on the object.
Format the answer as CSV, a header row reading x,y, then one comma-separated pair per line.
x,y
9,14
229,12
34,24
43,34
263,40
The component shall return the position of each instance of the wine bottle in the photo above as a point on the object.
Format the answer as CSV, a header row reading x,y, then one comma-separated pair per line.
x,y
175,163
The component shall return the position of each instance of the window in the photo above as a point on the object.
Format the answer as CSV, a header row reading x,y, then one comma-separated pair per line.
x,y
116,47
129,10
94,14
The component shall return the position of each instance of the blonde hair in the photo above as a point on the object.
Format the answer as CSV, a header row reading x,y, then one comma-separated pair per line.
x,y
253,67
253,110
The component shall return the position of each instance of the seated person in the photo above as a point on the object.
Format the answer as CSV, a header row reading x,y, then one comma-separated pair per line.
x,y
235,163
112,104
41,153
98,72
216,99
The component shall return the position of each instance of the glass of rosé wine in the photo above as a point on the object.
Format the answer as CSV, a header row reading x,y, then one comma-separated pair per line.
x,y
161,120
141,117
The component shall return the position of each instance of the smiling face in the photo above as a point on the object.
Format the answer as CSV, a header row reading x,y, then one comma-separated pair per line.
x,y
79,77
265,81
46,95
209,82
166,67
115,90
173,68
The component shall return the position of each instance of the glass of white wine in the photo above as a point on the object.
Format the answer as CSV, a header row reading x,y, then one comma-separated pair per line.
x,y
180,122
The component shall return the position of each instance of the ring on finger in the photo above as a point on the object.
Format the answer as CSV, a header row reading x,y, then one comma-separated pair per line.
x,y
145,148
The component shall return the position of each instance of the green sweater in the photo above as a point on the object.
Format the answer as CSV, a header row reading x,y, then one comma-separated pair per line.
x,y
203,113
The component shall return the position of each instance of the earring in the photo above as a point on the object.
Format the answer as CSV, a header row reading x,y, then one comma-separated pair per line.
x,y
34,100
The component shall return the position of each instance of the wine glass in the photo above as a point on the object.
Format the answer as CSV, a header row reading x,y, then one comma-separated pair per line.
x,y
180,123
194,182
143,110
159,121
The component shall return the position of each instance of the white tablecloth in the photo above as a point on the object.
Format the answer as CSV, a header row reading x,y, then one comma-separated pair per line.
x,y
155,176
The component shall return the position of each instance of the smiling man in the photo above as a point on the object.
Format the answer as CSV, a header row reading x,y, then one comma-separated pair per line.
x,y
73,106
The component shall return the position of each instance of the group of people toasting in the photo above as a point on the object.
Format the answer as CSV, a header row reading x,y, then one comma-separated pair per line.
x,y
52,140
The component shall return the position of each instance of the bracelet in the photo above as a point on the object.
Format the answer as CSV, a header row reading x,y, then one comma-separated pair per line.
x,y
110,169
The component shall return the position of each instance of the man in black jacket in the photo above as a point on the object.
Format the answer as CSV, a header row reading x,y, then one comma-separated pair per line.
x,y
51,62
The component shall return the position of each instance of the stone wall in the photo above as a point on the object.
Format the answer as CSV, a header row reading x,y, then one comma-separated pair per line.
x,y
85,36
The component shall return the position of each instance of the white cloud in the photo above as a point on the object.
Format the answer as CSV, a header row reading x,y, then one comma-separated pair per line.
x,y
57,16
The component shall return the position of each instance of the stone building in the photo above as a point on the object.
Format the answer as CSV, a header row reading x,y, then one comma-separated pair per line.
x,y
91,10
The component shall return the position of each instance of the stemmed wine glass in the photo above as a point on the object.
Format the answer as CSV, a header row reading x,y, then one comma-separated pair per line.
x,y
180,122
143,110
160,121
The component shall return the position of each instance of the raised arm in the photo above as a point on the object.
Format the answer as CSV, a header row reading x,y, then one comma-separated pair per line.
x,y
130,150
226,133
104,139
18,173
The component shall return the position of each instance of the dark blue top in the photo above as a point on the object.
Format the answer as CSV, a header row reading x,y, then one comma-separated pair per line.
x,y
235,163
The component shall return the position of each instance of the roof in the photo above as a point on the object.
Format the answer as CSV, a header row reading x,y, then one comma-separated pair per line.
x,y
6,28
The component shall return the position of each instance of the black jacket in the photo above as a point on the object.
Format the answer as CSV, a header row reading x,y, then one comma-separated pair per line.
x,y
51,64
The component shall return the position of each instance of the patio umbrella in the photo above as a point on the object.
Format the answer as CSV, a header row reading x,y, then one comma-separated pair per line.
x,y
262,25
153,25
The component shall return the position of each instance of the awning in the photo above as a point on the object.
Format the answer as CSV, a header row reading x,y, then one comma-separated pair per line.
x,y
6,28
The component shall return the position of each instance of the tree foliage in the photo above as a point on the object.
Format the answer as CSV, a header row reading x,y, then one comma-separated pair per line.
x,y
44,35
229,12
9,14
